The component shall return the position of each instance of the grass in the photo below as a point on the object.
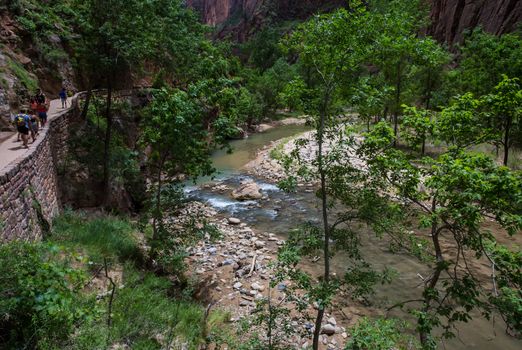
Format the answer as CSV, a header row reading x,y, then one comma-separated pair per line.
x,y
147,312
23,75
277,152
146,317
99,237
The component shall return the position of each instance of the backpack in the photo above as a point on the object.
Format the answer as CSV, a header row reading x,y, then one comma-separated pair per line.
x,y
20,120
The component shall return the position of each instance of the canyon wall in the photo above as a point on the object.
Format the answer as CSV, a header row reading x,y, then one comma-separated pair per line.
x,y
29,186
450,18
239,19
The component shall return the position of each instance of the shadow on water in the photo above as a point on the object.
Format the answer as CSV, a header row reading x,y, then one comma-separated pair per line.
x,y
281,212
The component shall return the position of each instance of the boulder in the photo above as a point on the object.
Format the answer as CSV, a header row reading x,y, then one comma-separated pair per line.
x,y
328,329
247,191
234,221
259,244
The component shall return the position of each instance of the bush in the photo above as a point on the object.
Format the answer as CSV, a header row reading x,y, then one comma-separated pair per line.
x,y
380,334
39,303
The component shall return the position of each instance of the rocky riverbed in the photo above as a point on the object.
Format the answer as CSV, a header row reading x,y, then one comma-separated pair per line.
x,y
235,273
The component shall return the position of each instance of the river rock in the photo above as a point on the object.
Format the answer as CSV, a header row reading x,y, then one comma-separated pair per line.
x,y
247,191
227,262
258,287
245,303
328,329
234,221
259,244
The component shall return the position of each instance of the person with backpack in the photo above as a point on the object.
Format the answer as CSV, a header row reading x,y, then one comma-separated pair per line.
x,y
63,97
24,125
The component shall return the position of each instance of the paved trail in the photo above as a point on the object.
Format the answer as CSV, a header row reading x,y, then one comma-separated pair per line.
x,y
11,150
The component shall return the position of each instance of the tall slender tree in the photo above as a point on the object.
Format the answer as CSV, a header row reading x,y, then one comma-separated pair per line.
x,y
333,48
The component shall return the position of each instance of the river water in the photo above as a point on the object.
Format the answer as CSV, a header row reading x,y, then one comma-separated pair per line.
x,y
281,212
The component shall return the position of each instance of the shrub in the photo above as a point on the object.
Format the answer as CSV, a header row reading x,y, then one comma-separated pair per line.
x,y
39,303
380,334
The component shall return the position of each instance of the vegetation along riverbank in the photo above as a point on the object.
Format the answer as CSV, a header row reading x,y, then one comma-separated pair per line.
x,y
253,175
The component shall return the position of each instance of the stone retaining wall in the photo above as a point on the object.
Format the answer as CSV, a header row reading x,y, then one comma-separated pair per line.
x,y
29,192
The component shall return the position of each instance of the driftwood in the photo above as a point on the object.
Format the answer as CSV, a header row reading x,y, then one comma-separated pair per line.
x,y
252,266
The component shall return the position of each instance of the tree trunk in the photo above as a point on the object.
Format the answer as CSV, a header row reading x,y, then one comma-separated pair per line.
x,y
157,211
423,334
428,91
326,247
506,140
397,104
85,110
107,146
423,149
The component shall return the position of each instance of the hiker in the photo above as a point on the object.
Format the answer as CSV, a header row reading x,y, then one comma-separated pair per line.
x,y
33,104
24,125
13,121
40,97
34,125
42,112
63,97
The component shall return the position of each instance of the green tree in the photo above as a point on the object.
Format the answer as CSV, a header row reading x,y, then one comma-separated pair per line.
x,y
178,142
418,126
503,108
459,124
270,84
396,48
485,57
453,195
493,118
331,49
429,68
369,98
263,49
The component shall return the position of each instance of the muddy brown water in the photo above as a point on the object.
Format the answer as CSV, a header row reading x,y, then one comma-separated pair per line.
x,y
282,212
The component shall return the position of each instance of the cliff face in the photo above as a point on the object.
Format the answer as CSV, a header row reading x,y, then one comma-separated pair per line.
x,y
240,18
450,18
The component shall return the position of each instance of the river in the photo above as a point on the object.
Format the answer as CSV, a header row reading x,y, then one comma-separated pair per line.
x,y
281,212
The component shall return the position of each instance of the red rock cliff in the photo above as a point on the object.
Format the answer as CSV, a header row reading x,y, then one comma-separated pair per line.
x,y
449,17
